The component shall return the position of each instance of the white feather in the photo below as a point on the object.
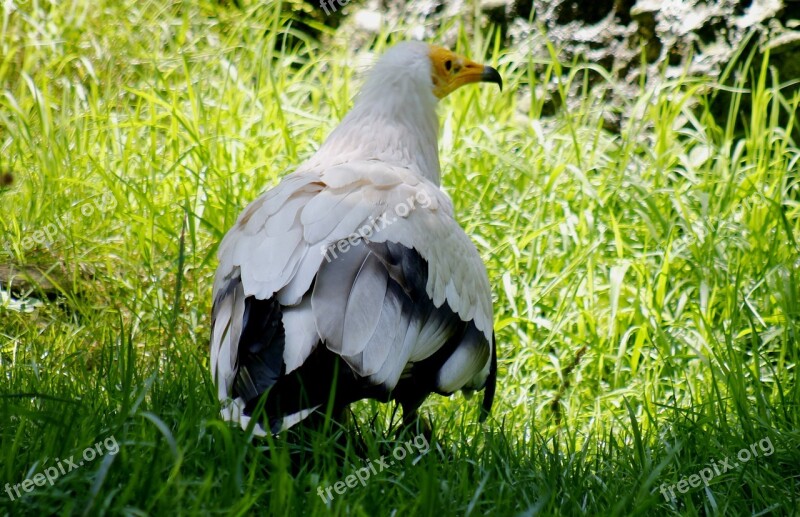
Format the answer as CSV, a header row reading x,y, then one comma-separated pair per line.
x,y
364,305
301,334
469,358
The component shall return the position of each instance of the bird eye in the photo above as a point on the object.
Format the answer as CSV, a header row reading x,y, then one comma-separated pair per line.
x,y
448,65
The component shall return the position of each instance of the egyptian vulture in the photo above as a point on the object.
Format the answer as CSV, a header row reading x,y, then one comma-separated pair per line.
x,y
351,278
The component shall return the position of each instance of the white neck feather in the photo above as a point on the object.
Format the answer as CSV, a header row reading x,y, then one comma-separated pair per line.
x,y
393,120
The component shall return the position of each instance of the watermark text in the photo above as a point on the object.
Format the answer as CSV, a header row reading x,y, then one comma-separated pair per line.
x,y
61,467
717,469
418,445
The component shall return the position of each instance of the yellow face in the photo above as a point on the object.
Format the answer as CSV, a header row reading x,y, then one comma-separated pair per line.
x,y
450,71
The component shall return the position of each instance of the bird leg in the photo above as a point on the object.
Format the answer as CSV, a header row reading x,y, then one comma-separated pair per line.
x,y
414,422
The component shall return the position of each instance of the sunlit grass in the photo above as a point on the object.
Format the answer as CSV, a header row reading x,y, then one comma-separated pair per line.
x,y
646,283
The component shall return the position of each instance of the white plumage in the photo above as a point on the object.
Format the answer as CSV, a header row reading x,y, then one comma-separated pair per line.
x,y
352,273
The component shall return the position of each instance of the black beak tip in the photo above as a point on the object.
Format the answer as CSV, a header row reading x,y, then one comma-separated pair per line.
x,y
490,75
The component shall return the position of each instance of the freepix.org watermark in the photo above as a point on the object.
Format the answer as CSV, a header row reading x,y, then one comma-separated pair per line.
x,y
48,233
374,225
62,467
329,6
707,474
419,445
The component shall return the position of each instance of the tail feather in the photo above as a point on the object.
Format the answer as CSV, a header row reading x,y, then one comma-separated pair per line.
x,y
491,384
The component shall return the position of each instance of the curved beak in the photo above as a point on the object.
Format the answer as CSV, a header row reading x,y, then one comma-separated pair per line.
x,y
490,75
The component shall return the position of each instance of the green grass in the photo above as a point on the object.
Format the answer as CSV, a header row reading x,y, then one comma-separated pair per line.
x,y
647,283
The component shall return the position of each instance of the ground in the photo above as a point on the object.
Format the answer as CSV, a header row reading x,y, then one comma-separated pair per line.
x,y
645,282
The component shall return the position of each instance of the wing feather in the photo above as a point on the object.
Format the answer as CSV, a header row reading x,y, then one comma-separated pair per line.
x,y
364,305
360,302
332,288
378,349
469,358
301,334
